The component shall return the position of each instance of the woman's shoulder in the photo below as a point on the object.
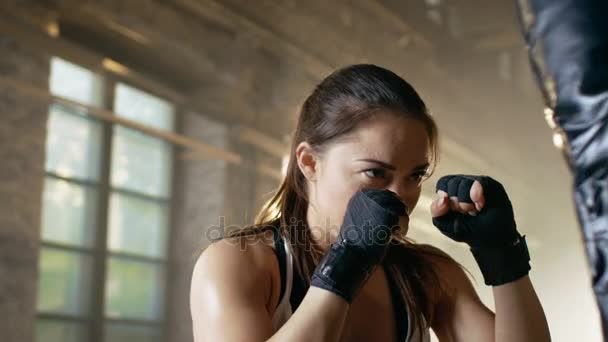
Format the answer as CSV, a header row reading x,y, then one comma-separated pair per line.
x,y
436,254
409,250
253,250
446,265
454,278
246,265
429,260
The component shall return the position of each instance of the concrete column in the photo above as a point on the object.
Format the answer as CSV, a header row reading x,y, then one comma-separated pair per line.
x,y
199,199
22,153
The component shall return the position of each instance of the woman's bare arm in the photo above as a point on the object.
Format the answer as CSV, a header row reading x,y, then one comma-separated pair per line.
x,y
519,314
483,218
463,317
231,300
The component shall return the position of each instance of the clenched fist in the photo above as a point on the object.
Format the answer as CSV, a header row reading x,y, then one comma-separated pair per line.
x,y
477,210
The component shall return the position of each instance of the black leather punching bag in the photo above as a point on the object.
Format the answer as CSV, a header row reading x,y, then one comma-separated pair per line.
x,y
568,48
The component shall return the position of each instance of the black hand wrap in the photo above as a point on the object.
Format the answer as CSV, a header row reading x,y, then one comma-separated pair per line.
x,y
500,251
503,265
371,217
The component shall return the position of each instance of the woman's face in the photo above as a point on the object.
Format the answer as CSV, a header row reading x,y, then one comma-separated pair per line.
x,y
385,152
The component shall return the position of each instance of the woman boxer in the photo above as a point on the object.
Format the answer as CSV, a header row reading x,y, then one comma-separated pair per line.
x,y
328,258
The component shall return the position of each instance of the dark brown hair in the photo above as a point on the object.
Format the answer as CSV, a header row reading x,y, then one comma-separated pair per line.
x,y
336,107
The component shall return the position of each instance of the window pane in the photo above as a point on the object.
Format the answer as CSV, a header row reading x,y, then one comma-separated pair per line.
x,y
73,144
142,107
120,332
65,282
75,82
137,225
68,213
53,330
141,163
134,289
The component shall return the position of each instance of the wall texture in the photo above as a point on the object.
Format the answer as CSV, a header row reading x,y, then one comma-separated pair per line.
x,y
22,150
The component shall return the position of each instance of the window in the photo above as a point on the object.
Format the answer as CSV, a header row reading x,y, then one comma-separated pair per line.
x,y
106,214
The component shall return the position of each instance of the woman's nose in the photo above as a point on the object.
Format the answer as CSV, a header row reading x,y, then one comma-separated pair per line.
x,y
399,195
398,190
405,195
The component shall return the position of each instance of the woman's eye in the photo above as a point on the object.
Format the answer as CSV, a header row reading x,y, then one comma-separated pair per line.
x,y
375,173
419,176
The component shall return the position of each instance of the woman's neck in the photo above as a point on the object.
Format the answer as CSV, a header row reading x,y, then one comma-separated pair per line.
x,y
324,233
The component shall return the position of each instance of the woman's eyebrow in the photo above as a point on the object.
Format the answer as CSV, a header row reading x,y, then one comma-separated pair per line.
x,y
381,163
422,166
392,167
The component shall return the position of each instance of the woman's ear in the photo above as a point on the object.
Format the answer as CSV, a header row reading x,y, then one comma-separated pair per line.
x,y
307,161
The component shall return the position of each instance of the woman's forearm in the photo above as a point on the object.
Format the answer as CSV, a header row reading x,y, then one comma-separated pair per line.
x,y
319,318
519,314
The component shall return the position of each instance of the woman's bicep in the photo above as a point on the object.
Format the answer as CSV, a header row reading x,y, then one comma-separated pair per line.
x,y
228,297
461,315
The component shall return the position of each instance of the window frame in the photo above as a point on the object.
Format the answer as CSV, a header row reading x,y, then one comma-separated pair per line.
x,y
96,320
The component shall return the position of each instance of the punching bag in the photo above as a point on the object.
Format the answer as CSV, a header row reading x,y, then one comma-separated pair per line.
x,y
568,48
